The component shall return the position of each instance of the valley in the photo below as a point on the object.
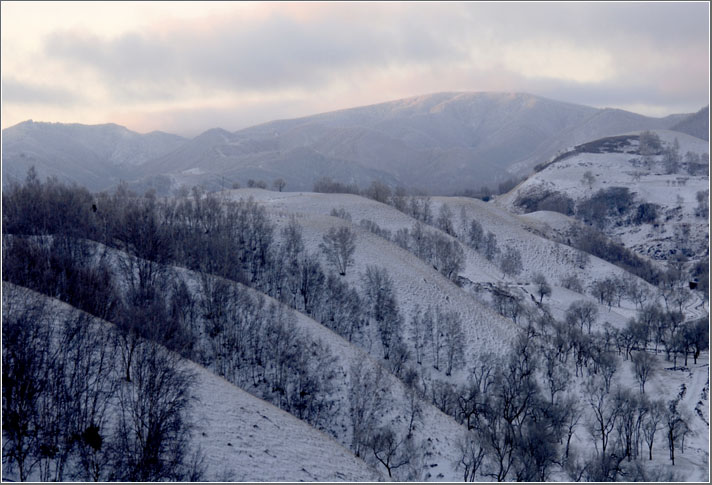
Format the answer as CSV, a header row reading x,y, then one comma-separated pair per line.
x,y
193,324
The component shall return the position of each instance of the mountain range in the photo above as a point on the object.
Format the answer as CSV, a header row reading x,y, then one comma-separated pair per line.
x,y
438,143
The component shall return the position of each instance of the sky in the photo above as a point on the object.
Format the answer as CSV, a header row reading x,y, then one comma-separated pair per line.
x,y
185,67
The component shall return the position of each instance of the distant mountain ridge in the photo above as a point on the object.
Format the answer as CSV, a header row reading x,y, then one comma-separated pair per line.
x,y
96,156
441,143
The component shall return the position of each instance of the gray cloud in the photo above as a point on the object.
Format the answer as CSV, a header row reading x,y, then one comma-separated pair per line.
x,y
14,91
278,53
659,52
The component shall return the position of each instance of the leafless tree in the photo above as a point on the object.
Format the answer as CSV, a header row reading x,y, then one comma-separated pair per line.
x,y
644,366
472,455
279,184
27,360
383,307
366,404
542,286
339,246
388,447
605,413
444,220
588,179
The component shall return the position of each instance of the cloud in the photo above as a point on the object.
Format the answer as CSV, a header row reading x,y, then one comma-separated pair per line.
x,y
250,59
277,53
14,91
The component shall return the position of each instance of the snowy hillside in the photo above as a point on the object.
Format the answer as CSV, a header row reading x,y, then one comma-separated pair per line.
x,y
242,438
674,194
535,235
540,253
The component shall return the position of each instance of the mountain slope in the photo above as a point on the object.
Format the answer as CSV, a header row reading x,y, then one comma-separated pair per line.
x,y
442,142
96,156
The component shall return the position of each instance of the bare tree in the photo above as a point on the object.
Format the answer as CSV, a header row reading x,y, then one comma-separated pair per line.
x,y
490,249
444,220
419,332
387,447
588,179
279,184
383,307
413,410
643,363
472,455
475,235
656,414
366,404
449,257
339,246
557,376
454,340
675,425
542,286
605,413
572,415
604,290
672,158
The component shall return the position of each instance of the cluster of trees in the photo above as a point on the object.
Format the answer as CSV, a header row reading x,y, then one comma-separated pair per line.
x,y
611,203
672,161
485,193
238,335
595,243
258,346
546,200
227,329
328,186
437,335
513,430
444,253
529,392
375,438
68,411
483,242
696,164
